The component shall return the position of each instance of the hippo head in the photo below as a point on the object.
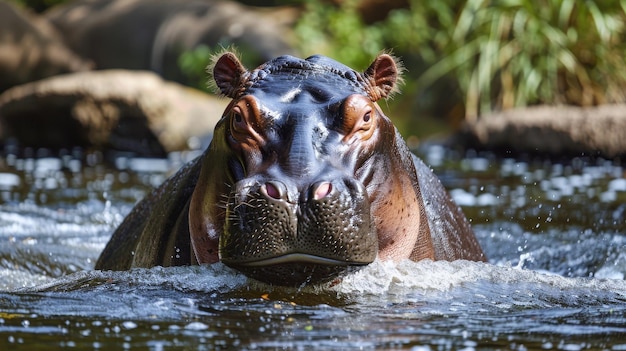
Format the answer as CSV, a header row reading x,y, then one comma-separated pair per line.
x,y
290,181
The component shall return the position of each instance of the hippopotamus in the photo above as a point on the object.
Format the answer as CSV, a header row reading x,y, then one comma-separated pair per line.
x,y
305,179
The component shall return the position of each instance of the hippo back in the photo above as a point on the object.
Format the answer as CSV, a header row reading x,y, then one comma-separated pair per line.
x,y
156,231
449,231
448,225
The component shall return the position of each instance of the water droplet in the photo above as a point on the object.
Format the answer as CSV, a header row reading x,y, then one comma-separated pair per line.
x,y
129,325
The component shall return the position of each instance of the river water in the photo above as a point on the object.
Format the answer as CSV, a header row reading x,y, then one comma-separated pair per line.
x,y
554,232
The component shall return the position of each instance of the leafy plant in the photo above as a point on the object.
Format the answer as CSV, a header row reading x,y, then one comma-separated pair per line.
x,y
520,52
39,5
193,64
498,54
338,32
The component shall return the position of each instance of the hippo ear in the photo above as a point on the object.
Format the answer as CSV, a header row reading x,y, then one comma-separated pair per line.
x,y
229,75
383,76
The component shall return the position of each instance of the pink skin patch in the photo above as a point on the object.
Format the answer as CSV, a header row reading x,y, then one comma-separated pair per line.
x,y
272,191
322,190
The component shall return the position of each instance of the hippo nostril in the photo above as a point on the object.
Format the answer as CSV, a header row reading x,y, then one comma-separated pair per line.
x,y
272,190
322,190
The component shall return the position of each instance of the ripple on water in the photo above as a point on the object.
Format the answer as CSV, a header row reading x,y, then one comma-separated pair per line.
x,y
554,234
446,305
405,280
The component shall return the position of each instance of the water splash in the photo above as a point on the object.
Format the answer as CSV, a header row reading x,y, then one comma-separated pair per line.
x,y
554,234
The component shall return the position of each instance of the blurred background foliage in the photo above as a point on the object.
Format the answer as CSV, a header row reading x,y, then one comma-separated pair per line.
x,y
471,57
39,5
465,58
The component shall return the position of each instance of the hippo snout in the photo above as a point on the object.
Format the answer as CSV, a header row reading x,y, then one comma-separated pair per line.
x,y
281,233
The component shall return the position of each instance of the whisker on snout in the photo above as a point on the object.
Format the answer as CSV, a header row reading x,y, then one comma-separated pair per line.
x,y
244,203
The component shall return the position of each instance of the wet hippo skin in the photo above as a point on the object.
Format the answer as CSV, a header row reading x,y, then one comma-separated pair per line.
x,y
305,179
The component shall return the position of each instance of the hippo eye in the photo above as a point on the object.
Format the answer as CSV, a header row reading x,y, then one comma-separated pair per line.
x,y
359,118
238,117
367,116
237,121
366,120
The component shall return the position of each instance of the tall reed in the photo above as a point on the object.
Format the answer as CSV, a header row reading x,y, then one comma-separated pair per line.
x,y
500,54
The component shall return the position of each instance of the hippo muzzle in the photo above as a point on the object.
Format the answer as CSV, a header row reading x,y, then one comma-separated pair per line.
x,y
277,232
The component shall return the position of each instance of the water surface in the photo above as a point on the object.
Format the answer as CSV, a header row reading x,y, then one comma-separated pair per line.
x,y
554,232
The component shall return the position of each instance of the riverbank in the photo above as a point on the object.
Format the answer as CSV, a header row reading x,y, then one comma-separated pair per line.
x,y
549,131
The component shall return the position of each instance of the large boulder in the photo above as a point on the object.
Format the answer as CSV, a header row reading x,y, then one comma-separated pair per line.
x,y
552,130
152,34
31,49
133,111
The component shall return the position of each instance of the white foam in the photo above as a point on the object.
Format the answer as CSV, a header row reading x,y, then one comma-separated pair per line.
x,y
437,276
379,282
205,278
613,268
12,279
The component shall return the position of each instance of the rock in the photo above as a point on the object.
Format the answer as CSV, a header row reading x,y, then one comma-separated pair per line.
x,y
31,49
134,111
152,34
552,130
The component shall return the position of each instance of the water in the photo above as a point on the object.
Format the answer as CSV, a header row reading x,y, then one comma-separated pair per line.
x,y
554,232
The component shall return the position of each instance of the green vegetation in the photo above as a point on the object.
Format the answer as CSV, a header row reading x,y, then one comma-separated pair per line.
x,y
39,5
340,33
466,58
193,64
495,54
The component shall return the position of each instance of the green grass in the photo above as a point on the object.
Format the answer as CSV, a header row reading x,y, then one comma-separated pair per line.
x,y
496,54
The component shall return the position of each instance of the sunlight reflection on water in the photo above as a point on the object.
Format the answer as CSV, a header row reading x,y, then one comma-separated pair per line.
x,y
554,233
